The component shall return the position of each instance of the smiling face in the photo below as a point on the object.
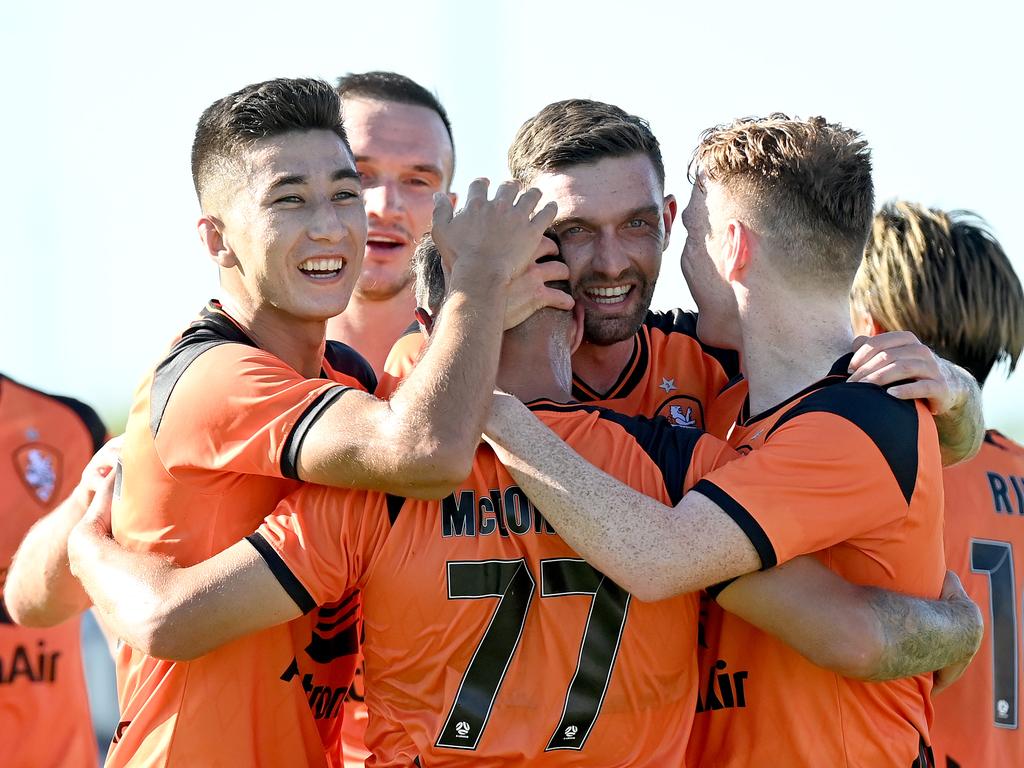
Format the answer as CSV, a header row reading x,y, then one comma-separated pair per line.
x,y
404,155
293,227
613,223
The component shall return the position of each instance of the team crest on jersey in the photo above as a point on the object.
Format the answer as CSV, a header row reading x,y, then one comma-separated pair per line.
x,y
38,466
682,411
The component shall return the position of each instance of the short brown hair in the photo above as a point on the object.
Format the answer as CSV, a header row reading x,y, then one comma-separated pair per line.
x,y
260,111
806,185
578,131
945,277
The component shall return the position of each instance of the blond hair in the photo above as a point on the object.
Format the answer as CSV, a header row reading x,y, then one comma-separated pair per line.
x,y
945,277
804,185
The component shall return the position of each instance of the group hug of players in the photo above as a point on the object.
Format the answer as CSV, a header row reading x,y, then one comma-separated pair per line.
x,y
507,510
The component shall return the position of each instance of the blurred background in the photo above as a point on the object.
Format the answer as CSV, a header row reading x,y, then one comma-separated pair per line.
x,y
101,260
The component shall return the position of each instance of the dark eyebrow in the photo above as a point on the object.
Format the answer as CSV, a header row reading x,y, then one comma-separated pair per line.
x,y
647,210
338,175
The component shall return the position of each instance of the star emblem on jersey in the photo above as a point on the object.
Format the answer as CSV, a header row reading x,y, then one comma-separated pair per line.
x,y
681,418
32,434
669,385
38,466
462,729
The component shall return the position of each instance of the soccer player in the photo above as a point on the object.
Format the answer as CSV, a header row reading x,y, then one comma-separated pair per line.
x,y
250,401
402,141
944,277
776,227
44,709
430,573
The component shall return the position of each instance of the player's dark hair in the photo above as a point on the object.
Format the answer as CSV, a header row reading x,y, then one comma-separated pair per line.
x,y
945,277
579,131
259,111
391,86
803,185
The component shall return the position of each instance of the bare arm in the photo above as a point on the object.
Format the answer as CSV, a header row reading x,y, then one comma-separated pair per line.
x,y
953,395
167,611
650,549
39,590
859,632
422,442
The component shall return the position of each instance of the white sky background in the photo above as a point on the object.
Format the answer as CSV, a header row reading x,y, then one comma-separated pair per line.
x,y
101,264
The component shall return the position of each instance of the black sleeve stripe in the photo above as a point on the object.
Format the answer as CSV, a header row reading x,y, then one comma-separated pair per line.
x,y
169,372
753,530
92,421
282,573
344,359
293,444
716,589
892,424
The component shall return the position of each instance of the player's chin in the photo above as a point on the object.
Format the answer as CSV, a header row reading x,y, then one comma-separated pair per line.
x,y
605,331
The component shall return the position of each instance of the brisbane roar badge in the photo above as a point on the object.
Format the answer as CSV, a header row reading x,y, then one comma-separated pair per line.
x,y
682,411
38,466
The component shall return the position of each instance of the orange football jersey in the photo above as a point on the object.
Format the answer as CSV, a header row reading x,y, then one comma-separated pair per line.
x,y
44,708
977,720
672,375
848,472
487,639
210,449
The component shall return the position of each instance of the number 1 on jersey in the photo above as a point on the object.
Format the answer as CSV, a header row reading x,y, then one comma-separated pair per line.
x,y
995,558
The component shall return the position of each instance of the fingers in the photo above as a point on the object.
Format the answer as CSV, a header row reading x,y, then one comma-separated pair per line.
x,y
866,347
550,271
920,390
545,217
443,212
99,508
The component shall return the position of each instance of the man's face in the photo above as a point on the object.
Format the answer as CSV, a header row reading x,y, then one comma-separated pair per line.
x,y
296,226
717,321
613,223
404,156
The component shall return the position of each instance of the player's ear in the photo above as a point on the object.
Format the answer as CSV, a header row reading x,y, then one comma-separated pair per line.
x,y
863,323
738,244
425,319
211,232
577,327
668,215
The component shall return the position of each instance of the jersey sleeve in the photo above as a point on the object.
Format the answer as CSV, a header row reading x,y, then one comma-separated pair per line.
x,y
821,478
320,542
236,409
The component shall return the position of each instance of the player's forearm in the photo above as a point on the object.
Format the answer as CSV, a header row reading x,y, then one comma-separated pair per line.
x,y
921,636
961,429
648,548
445,400
40,590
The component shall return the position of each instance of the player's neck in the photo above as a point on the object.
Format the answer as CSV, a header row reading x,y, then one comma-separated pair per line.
x,y
372,327
298,342
600,366
788,345
531,374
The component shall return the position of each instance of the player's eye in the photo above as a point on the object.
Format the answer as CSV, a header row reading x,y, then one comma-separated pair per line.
x,y
289,199
576,229
636,223
346,194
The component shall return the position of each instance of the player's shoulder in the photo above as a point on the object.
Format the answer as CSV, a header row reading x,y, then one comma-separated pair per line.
x,y
347,361
72,410
893,426
996,440
677,326
596,431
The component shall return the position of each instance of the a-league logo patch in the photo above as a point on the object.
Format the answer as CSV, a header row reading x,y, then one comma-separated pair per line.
x,y
38,466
